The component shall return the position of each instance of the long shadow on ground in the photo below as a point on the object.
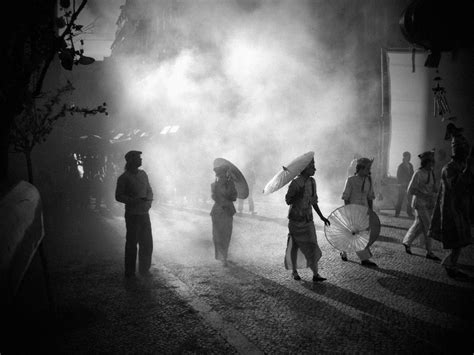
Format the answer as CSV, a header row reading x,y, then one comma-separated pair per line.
x,y
262,309
451,299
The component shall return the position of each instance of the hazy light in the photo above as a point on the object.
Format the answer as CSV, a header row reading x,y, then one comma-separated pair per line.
x,y
264,86
174,129
165,130
169,129
80,169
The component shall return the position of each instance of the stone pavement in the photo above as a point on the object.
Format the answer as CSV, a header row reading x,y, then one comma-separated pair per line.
x,y
192,304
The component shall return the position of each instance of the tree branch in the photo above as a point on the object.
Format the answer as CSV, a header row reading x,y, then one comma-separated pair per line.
x,y
50,58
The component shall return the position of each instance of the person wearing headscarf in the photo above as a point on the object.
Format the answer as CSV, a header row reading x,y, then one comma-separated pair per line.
x,y
359,190
451,220
352,165
423,187
224,193
302,197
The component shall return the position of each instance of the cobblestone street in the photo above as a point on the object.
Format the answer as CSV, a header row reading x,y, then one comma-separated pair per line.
x,y
194,305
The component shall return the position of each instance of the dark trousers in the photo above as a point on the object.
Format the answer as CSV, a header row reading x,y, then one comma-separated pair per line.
x,y
402,196
138,233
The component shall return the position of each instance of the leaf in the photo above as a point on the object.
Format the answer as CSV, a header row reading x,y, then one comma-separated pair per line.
x,y
60,22
60,43
86,60
66,58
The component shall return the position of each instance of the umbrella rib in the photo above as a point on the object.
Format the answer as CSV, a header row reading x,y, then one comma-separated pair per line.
x,y
338,227
342,223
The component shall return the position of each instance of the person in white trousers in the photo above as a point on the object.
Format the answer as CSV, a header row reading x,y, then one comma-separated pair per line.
x,y
423,187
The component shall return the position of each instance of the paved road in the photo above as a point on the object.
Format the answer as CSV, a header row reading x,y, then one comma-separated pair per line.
x,y
407,304
194,305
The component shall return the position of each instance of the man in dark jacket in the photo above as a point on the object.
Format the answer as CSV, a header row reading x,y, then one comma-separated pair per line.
x,y
404,175
134,190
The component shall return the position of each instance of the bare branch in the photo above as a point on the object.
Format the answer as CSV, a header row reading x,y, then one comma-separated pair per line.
x,y
50,58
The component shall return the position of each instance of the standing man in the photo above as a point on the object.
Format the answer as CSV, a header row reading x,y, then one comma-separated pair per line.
x,y
302,197
134,190
404,174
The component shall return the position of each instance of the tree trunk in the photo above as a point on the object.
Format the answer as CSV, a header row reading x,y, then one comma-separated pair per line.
x,y
29,165
4,139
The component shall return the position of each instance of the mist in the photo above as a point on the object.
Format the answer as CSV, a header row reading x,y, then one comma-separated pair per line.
x,y
250,80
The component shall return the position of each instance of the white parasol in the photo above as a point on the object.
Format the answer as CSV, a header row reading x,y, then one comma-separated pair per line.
x,y
288,173
353,228
236,175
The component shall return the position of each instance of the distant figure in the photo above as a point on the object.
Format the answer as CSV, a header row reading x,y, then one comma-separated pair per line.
x,y
424,188
223,193
249,173
302,197
134,190
352,166
451,220
110,174
95,178
359,190
404,174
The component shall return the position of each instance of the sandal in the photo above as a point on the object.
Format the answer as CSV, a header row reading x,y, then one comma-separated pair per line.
x,y
296,276
431,256
407,248
318,278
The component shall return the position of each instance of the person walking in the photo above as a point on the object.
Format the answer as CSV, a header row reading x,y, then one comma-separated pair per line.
x,y
451,220
302,197
223,193
404,174
134,190
359,190
423,187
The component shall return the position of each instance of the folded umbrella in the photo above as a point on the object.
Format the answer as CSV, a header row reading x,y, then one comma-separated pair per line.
x,y
236,175
353,228
288,173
